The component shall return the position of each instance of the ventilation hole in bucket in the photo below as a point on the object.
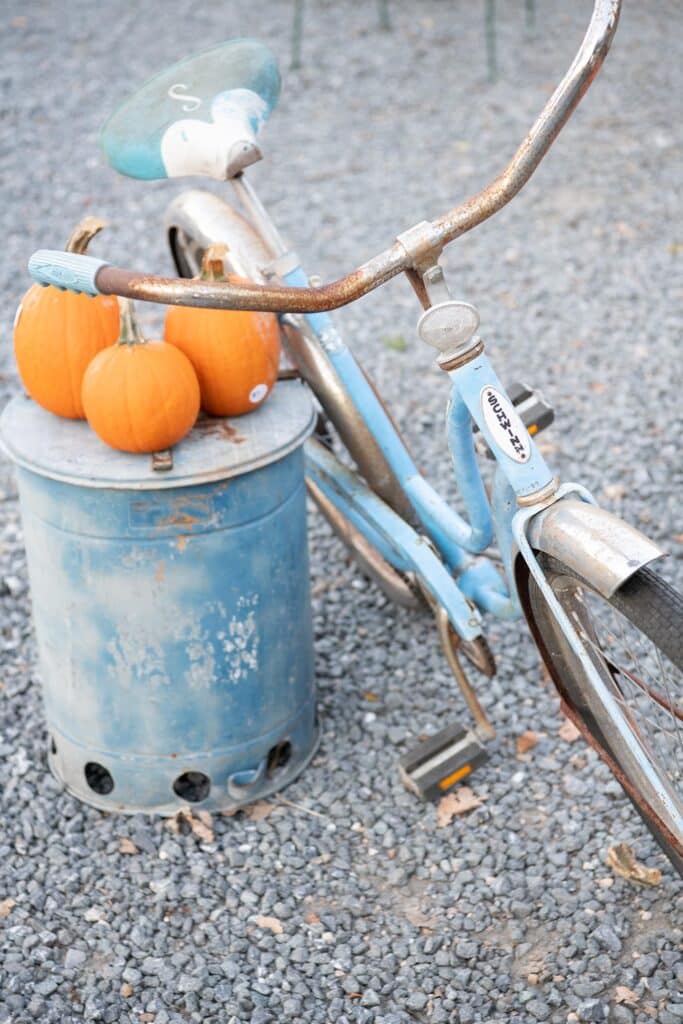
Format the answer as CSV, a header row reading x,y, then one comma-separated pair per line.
x,y
278,757
192,786
53,746
98,778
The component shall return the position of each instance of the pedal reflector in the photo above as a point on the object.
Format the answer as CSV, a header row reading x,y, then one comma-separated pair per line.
x,y
441,761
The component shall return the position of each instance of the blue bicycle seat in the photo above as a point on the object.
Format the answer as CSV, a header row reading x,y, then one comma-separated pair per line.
x,y
200,116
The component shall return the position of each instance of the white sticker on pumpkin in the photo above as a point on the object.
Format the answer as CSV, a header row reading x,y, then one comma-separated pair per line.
x,y
258,393
505,425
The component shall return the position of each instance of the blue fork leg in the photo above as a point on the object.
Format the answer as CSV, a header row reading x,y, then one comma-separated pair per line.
x,y
482,583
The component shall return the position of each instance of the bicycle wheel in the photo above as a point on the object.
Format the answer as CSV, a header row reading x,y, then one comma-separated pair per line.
x,y
624,688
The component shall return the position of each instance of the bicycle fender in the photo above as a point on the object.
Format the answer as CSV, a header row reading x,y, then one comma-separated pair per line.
x,y
597,545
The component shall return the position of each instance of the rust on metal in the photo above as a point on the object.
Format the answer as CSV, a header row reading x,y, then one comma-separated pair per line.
x,y
248,295
422,244
219,428
538,497
633,792
450,642
318,371
162,462
418,286
646,810
463,358
420,239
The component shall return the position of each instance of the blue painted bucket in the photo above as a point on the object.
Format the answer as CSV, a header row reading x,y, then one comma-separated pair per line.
x,y
171,609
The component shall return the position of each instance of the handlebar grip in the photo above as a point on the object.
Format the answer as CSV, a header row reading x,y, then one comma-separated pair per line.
x,y
65,270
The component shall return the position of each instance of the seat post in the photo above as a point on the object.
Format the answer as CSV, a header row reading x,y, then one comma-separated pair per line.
x,y
258,215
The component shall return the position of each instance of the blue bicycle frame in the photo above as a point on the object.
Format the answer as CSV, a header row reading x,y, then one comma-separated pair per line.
x,y
479,586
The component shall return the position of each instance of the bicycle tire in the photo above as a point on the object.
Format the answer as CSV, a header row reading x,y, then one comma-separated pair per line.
x,y
620,727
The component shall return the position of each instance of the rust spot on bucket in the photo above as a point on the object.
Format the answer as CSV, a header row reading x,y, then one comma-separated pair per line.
x,y
186,511
159,575
179,518
221,429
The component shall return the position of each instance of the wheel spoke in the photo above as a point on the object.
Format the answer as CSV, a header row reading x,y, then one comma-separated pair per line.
x,y
634,664
630,699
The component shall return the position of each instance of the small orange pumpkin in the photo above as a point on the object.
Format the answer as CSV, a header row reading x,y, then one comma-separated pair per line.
x,y
236,353
56,334
140,396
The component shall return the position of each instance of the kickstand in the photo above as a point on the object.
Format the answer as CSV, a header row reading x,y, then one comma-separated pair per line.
x,y
448,638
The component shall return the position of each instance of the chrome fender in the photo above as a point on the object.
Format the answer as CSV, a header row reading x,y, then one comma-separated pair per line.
x,y
207,218
597,545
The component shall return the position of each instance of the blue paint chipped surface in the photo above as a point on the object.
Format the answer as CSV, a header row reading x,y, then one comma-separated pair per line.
x,y
174,628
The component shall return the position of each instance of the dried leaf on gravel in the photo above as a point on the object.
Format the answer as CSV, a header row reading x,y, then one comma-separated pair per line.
x,y
200,824
175,824
6,907
460,801
568,731
625,995
258,811
614,492
527,741
271,923
622,861
127,846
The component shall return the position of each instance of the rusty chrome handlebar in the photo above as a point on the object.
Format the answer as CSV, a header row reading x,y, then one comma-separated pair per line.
x,y
416,248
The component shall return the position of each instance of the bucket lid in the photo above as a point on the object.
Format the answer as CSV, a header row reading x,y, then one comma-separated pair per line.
x,y
215,449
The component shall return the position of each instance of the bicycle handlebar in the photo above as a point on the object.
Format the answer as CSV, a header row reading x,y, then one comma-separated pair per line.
x,y
69,270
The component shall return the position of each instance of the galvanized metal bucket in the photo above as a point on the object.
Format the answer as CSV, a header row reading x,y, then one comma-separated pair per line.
x,y
171,610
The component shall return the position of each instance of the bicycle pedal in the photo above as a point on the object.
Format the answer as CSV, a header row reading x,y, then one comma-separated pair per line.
x,y
536,413
435,766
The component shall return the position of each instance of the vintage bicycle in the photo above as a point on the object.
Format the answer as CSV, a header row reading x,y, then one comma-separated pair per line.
x,y
608,627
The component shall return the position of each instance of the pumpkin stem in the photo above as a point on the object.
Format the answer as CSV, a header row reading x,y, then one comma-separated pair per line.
x,y
213,266
130,332
85,230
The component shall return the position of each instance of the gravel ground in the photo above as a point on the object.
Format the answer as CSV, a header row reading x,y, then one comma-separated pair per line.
x,y
509,913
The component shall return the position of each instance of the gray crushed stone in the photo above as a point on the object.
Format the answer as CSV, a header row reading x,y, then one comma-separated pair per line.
x,y
509,914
